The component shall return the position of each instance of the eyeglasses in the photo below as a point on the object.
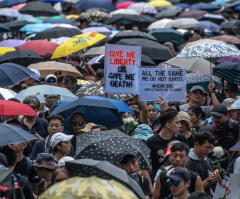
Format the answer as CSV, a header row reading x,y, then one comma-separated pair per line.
x,y
208,148
51,81
77,123
173,182
52,98
56,125
34,107
197,93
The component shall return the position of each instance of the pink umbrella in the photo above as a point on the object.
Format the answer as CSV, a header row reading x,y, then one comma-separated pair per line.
x,y
19,6
124,5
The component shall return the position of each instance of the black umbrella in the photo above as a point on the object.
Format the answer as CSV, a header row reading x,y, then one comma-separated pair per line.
x,y
102,169
166,14
57,32
16,25
154,50
130,20
22,57
37,8
109,145
4,28
128,35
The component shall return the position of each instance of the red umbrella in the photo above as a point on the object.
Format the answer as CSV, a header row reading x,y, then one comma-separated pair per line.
x,y
15,108
41,47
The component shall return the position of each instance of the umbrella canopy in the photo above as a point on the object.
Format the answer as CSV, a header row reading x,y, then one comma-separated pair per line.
x,y
184,23
124,5
102,30
35,28
97,111
41,47
11,73
196,14
41,90
163,23
143,8
216,18
17,25
96,89
208,50
4,50
22,57
53,67
95,51
105,170
228,71
77,43
7,93
11,134
208,25
205,6
124,12
130,34
88,188
57,32
164,35
60,40
159,3
117,143
4,28
150,48
192,64
168,13
86,4
12,43
59,21
30,19
37,8
228,59
15,108
9,12
199,79
11,2
227,39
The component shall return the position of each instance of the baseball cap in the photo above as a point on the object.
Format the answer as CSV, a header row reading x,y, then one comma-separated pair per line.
x,y
36,75
179,173
45,160
231,86
185,117
228,102
59,137
65,159
143,132
194,88
50,76
219,110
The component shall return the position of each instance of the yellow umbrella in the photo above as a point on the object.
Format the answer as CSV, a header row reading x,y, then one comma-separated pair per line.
x,y
4,50
72,16
88,188
77,43
57,68
160,3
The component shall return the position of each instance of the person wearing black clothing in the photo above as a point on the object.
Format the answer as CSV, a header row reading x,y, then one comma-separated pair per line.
x,y
229,91
158,143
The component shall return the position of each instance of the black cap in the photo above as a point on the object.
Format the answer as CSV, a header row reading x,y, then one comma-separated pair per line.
x,y
179,173
125,154
219,110
231,86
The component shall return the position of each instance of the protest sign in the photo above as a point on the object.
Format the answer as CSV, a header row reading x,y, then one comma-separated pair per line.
x,y
170,83
121,69
235,185
223,189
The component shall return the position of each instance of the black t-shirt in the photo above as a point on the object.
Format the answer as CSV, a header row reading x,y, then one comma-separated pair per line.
x,y
191,141
143,183
158,148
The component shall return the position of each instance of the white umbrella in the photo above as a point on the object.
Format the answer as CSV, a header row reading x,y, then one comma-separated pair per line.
x,y
7,93
60,40
124,11
184,23
163,23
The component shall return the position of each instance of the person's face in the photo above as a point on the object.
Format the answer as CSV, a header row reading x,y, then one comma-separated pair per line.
x,y
180,189
204,149
77,123
196,36
230,93
178,158
131,167
196,96
175,125
73,63
135,107
65,147
184,126
54,126
233,114
61,175
152,112
51,81
219,121
50,100
71,87
193,117
33,105
40,171
29,81
18,147
187,98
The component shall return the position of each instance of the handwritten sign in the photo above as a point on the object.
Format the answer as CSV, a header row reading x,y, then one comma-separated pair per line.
x,y
121,69
170,83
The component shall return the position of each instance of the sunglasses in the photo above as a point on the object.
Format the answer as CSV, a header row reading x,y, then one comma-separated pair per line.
x,y
173,182
77,123
51,81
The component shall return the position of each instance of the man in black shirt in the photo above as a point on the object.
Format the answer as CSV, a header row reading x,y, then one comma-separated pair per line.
x,y
158,143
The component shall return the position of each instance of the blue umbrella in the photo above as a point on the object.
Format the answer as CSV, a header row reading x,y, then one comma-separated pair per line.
x,y
199,79
34,28
208,25
86,4
219,2
41,90
30,19
9,12
101,112
205,6
11,134
7,3
165,35
59,21
11,73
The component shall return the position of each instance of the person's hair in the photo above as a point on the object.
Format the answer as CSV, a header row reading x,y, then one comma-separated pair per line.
x,y
135,103
28,99
47,57
99,74
69,79
102,128
15,122
175,45
166,116
55,149
197,110
56,171
13,99
202,136
174,104
129,158
10,155
187,35
56,117
197,195
180,146
77,114
74,57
